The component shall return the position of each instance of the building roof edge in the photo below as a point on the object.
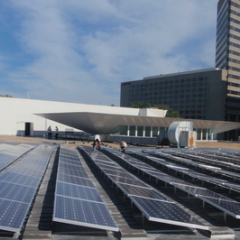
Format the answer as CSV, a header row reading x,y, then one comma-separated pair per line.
x,y
181,73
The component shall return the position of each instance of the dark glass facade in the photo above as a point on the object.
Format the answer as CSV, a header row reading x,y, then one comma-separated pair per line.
x,y
194,94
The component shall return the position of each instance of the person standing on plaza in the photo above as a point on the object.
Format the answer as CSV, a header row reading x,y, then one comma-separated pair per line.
x,y
49,132
56,134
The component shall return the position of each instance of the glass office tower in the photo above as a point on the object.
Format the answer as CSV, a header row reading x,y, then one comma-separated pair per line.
x,y
228,55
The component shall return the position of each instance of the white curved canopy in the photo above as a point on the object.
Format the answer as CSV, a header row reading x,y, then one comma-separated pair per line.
x,y
103,123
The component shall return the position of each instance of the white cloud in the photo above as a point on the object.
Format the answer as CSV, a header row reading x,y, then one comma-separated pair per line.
x,y
81,50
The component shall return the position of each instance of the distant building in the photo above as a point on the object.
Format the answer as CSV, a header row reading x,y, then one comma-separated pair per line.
x,y
228,54
211,94
27,117
195,94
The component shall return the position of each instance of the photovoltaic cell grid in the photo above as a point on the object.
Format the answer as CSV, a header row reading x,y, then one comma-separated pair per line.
x,y
230,156
209,166
13,149
19,185
77,201
211,160
10,153
153,205
219,201
216,170
166,212
178,168
123,179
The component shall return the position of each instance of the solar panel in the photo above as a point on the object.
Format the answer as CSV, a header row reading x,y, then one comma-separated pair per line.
x,y
73,172
231,186
151,171
116,173
140,191
166,212
209,158
70,161
107,166
219,201
187,171
164,177
5,146
14,150
130,181
148,200
156,159
210,164
10,153
105,162
75,180
77,201
71,165
12,214
75,191
17,190
27,171
24,180
83,213
229,206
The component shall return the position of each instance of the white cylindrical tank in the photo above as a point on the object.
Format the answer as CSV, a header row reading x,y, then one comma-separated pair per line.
x,y
176,128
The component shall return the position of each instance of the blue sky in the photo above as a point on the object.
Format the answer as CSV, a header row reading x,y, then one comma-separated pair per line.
x,y
81,50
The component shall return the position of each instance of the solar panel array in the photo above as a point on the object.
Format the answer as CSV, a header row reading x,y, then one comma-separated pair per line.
x,y
222,168
210,165
154,205
10,153
223,203
225,163
19,185
203,166
184,171
77,201
226,155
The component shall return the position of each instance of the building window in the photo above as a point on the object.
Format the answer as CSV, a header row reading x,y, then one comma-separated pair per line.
x,y
140,131
123,130
132,130
199,135
147,131
154,131
204,134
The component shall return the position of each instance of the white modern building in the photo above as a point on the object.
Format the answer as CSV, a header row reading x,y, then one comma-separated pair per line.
x,y
26,117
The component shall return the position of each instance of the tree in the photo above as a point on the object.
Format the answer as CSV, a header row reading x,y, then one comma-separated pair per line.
x,y
170,112
6,95
173,114
141,105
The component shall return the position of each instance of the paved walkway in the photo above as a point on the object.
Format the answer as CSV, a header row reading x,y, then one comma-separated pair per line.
x,y
208,144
